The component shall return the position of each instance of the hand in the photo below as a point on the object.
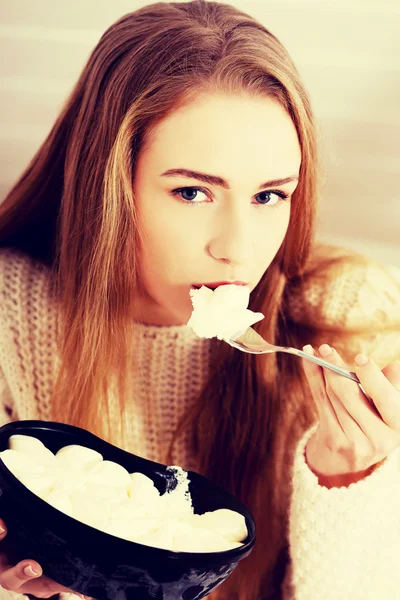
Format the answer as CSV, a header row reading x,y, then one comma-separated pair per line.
x,y
354,435
26,577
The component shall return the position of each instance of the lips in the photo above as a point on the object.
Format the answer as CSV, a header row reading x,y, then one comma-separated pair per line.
x,y
214,284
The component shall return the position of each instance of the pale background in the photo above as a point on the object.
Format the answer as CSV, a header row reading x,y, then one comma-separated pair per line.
x,y
348,53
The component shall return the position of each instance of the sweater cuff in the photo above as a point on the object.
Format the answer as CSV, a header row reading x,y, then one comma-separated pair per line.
x,y
344,541
305,479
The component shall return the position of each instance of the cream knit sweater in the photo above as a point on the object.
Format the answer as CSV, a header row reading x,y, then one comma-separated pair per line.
x,y
344,543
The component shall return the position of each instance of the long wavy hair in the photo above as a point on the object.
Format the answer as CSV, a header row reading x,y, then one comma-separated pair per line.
x,y
73,209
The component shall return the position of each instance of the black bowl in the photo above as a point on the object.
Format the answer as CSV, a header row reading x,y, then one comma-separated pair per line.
x,y
98,564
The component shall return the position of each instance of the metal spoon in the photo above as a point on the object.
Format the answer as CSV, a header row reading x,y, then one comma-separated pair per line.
x,y
251,342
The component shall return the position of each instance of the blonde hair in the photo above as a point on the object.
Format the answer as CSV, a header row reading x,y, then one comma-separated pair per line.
x,y
74,209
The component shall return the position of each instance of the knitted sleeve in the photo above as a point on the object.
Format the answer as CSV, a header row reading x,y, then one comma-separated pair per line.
x,y
344,542
7,414
7,404
350,302
7,595
7,410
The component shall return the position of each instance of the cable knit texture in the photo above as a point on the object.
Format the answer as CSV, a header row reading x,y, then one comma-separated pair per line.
x,y
171,368
171,371
343,542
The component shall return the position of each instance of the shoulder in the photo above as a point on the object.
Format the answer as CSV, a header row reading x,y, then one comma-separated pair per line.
x,y
341,288
349,301
19,270
28,334
24,287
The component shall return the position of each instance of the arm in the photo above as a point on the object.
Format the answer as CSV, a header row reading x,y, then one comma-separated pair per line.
x,y
344,542
7,406
344,530
6,415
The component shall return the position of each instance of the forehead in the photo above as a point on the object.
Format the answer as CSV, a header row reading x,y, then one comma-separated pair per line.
x,y
227,135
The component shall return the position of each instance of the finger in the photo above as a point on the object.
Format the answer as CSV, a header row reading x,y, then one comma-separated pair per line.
x,y
365,429
336,389
348,391
316,380
392,373
3,530
43,587
15,577
380,389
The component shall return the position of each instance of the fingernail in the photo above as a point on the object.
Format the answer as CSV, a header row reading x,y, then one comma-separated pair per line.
x,y
361,360
2,530
325,350
308,349
30,571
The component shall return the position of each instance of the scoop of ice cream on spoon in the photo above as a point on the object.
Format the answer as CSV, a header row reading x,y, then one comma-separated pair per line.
x,y
222,312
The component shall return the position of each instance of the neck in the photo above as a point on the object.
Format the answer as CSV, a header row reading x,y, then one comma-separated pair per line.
x,y
148,312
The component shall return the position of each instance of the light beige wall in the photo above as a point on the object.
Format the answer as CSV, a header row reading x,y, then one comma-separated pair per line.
x,y
348,53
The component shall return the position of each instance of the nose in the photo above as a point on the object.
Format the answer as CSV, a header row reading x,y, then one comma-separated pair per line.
x,y
233,243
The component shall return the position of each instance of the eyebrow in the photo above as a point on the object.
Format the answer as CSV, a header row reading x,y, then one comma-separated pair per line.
x,y
219,181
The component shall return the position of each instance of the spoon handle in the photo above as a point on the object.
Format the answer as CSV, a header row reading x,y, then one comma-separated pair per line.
x,y
250,341
322,363
326,365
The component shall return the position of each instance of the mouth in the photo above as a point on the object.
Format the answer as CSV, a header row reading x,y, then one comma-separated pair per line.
x,y
215,284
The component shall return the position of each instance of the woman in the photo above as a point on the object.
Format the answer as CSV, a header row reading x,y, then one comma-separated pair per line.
x,y
184,105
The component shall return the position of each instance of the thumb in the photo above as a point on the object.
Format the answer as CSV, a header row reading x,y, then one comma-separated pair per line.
x,y
392,373
3,529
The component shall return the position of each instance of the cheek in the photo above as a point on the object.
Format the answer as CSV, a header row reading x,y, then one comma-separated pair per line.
x,y
270,235
169,245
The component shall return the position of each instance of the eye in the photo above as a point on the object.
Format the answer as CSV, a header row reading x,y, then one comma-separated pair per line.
x,y
190,194
268,197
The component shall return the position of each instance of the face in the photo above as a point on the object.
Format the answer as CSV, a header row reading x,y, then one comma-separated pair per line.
x,y
212,191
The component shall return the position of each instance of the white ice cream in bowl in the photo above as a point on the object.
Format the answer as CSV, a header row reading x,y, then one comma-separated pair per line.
x,y
85,509
101,493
